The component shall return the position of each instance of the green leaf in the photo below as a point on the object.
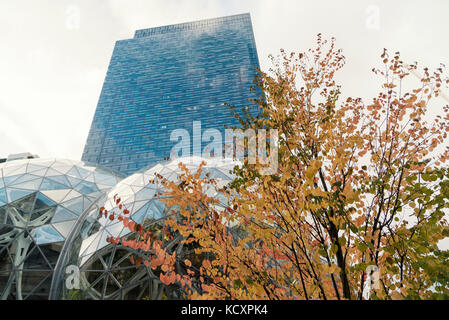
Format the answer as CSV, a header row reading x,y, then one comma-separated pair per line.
x,y
362,246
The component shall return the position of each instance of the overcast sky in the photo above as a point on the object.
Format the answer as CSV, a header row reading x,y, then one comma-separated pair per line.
x,y
55,53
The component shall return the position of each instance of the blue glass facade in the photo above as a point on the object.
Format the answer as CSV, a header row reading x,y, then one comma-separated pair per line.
x,y
166,78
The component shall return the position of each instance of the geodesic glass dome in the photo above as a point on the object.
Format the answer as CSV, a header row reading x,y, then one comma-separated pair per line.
x,y
105,271
40,201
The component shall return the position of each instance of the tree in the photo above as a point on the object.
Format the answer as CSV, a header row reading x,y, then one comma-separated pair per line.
x,y
358,184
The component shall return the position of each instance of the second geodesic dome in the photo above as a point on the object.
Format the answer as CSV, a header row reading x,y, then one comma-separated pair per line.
x,y
105,270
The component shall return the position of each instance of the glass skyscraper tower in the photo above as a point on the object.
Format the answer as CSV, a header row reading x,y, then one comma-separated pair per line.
x,y
166,78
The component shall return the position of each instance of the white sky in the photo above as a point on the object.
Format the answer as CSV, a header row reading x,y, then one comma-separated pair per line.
x,y
54,53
